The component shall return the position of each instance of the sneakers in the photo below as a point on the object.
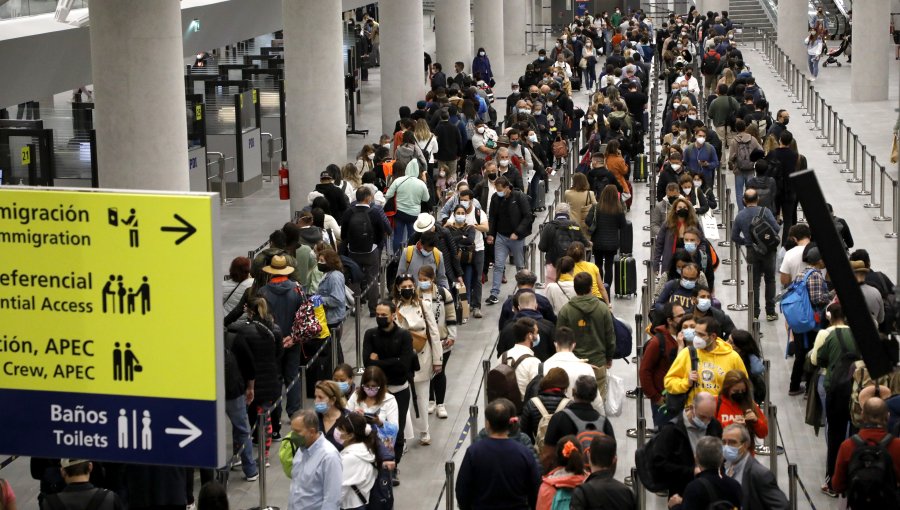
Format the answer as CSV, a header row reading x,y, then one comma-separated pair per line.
x,y
425,440
276,436
828,491
395,477
431,406
441,411
794,393
772,317
252,478
631,393
476,312
492,300
236,465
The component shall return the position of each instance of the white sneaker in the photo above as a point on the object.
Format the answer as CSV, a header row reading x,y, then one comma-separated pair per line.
x,y
441,412
431,407
425,440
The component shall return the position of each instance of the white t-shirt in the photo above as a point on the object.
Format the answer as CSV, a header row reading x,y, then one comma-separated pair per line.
x,y
793,263
574,368
471,220
527,369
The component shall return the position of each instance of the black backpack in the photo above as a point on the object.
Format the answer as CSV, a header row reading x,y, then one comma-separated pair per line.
x,y
565,236
765,191
763,237
234,381
361,234
710,63
872,481
715,502
642,458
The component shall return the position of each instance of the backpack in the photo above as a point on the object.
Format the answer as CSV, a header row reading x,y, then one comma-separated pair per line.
x,y
710,63
765,191
565,236
425,153
623,339
587,430
234,380
742,157
642,458
562,499
842,374
306,325
763,237
360,233
872,481
409,255
544,421
715,502
560,148
796,306
502,382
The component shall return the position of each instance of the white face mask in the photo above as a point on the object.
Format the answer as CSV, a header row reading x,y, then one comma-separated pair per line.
x,y
675,166
480,130
697,184
480,53
687,190
701,140
504,162
533,138
372,156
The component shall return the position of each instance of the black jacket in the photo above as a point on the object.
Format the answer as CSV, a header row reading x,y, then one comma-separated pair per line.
x,y
606,232
378,227
447,244
665,177
395,353
450,142
544,350
544,306
600,491
510,215
337,200
531,417
549,235
672,458
697,496
266,351
236,380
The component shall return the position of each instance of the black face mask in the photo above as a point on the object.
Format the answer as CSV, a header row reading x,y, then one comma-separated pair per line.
x,y
785,123
739,396
323,268
407,293
383,322
491,176
682,213
672,199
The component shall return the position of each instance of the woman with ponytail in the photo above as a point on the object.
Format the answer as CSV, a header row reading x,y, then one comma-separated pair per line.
x,y
360,459
560,482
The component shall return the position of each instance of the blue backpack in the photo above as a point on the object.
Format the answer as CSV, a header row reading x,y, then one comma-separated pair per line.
x,y
623,339
796,306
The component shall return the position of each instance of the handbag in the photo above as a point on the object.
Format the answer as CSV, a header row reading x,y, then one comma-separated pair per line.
x,y
420,339
710,227
583,63
615,395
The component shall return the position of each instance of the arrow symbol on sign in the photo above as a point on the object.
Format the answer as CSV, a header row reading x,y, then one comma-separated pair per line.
x,y
187,229
192,432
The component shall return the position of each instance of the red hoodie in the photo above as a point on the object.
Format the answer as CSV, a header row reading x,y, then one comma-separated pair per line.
x,y
729,409
654,368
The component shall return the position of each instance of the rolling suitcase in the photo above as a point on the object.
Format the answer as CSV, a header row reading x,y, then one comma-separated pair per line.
x,y
625,274
626,239
640,170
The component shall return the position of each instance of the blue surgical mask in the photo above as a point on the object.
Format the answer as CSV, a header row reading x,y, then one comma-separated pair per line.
x,y
703,304
536,341
344,386
464,203
321,407
424,252
700,424
688,284
460,218
690,247
688,334
501,194
731,453
425,285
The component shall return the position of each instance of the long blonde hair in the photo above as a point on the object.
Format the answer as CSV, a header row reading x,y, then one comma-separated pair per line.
x,y
422,132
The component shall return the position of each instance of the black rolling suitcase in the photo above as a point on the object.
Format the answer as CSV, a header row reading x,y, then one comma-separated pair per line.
x,y
640,168
626,239
575,79
625,274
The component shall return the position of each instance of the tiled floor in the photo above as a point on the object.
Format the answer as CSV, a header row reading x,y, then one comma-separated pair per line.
x,y
246,224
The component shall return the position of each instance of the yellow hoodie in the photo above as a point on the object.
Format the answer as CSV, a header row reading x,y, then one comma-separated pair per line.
x,y
711,368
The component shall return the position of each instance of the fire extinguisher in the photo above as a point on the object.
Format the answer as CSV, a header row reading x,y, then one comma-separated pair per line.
x,y
284,191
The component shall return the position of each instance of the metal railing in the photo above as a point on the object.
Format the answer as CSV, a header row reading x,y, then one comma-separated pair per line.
x,y
220,174
271,151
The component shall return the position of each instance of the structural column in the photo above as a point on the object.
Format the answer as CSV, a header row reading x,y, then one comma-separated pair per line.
x,y
869,74
714,6
513,27
316,123
488,16
138,75
402,58
453,23
792,25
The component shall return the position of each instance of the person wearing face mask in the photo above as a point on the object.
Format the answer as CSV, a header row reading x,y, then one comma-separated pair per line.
x,y
330,405
716,358
759,487
671,234
709,486
542,63
484,141
389,348
670,173
763,263
343,376
510,167
701,157
365,160
360,453
661,210
379,408
673,461
702,307
736,405
509,220
425,252
526,306
526,335
481,67
419,320
697,198
316,471
702,254
659,353
440,302
681,290
331,289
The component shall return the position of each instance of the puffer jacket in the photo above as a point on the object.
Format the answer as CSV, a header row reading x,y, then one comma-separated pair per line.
x,y
606,232
267,350
531,417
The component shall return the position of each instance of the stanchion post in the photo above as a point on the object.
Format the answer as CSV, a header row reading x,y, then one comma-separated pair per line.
x,y
772,410
640,495
855,179
767,377
727,219
485,368
449,494
751,296
261,460
792,485
738,282
335,344
473,424
357,329
862,191
872,203
639,398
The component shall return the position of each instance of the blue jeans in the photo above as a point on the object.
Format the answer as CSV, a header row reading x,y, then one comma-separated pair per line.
x,y
290,368
503,246
813,62
236,409
403,223
472,278
740,180
659,419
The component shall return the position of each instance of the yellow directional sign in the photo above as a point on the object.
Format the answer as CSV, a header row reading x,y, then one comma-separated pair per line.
x,y
198,112
26,155
254,94
113,296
